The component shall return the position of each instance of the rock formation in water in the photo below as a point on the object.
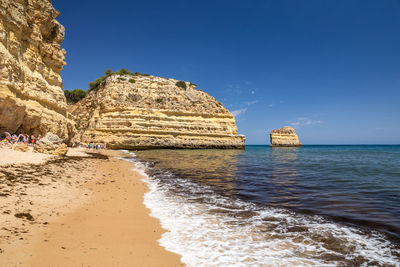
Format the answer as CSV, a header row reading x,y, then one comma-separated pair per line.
x,y
129,112
31,96
284,137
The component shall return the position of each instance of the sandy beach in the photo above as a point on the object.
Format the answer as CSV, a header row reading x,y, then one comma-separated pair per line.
x,y
78,210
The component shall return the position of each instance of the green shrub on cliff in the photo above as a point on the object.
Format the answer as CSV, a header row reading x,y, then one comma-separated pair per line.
x,y
74,95
108,73
141,74
123,72
97,82
132,80
181,84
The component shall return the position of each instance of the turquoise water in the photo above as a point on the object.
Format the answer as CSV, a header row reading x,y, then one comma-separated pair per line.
x,y
321,205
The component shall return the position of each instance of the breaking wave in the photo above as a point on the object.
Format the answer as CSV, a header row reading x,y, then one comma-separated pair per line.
x,y
208,229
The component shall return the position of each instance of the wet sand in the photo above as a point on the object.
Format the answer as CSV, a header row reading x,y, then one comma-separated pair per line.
x,y
78,211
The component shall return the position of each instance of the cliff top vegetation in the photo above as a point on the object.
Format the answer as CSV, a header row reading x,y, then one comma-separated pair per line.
x,y
74,95
94,85
108,73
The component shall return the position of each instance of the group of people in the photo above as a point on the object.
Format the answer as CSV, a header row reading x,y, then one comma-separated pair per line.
x,y
27,139
95,146
9,139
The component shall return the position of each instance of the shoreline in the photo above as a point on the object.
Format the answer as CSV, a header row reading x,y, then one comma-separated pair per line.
x,y
92,214
213,217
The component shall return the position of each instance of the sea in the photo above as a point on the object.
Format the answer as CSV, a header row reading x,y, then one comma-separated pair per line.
x,y
316,205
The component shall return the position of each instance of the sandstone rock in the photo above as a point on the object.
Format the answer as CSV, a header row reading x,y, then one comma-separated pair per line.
x,y
31,96
153,112
284,137
20,147
62,150
51,144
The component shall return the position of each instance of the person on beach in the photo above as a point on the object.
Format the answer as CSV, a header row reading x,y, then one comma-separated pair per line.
x,y
89,146
7,137
20,138
33,140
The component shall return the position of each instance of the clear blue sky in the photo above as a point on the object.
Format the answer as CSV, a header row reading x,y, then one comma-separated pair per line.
x,y
330,68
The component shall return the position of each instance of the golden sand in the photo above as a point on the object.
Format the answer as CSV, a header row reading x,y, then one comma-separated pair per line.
x,y
85,212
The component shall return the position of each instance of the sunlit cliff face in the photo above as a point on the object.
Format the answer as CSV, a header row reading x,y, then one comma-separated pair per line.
x,y
31,96
153,112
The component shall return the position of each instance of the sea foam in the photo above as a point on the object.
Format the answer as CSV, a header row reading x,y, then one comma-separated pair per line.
x,y
226,232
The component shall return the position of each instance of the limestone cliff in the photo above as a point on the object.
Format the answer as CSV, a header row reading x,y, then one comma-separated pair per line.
x,y
284,137
148,112
31,96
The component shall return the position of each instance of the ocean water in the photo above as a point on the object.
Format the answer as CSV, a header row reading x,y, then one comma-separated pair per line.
x,y
314,205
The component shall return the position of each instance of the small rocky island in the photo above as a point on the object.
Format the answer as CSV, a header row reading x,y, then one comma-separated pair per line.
x,y
284,137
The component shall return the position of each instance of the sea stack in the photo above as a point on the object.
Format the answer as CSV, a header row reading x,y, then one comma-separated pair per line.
x,y
139,111
284,137
31,96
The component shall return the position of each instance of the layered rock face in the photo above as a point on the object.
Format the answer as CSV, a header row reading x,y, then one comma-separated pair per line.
x,y
31,96
284,137
153,112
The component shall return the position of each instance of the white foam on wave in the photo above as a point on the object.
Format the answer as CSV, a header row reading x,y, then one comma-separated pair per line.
x,y
205,238
128,152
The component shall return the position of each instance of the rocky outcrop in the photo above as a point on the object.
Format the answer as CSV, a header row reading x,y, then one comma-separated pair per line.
x,y
284,137
20,147
31,96
130,112
62,150
51,144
